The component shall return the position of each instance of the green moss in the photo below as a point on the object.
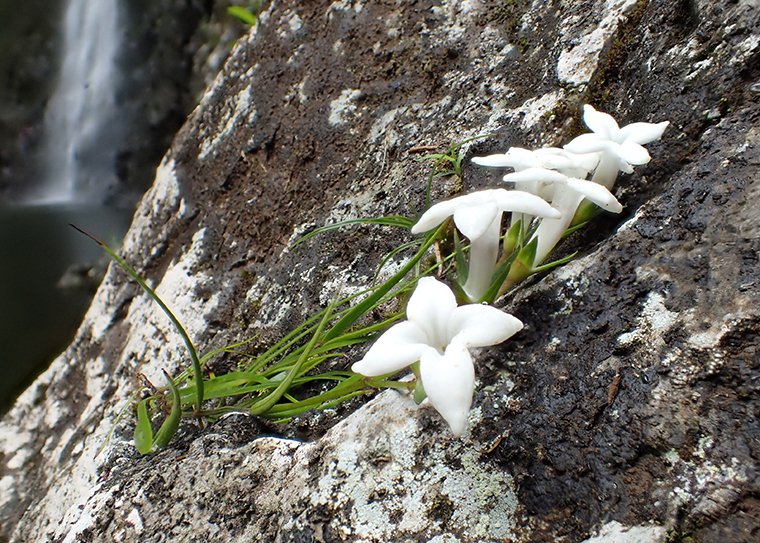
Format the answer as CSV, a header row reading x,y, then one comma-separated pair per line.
x,y
441,510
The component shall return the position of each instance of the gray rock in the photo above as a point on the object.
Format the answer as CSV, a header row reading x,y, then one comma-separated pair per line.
x,y
629,403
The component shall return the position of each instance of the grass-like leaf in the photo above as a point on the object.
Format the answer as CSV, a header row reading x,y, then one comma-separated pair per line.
x,y
393,220
143,432
170,425
263,406
177,326
243,14
364,306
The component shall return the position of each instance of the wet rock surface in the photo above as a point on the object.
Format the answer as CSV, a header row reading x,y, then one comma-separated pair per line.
x,y
624,411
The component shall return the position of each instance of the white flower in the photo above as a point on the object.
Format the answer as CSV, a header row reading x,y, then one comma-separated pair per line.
x,y
620,147
567,195
549,158
478,216
439,334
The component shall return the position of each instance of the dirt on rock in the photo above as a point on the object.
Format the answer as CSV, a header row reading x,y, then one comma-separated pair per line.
x,y
631,396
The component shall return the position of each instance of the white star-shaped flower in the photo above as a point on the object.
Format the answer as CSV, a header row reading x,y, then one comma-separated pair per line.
x,y
548,158
478,216
620,147
439,334
567,194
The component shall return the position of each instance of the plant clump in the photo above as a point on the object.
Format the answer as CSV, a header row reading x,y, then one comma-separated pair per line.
x,y
555,198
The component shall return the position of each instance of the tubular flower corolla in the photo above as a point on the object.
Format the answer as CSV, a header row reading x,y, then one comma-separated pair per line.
x,y
478,216
549,158
567,194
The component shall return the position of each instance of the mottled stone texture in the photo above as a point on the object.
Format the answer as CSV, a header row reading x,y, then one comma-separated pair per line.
x,y
625,411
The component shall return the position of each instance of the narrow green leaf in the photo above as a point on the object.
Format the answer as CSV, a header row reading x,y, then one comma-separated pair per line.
x,y
119,416
573,229
361,308
462,269
556,263
512,239
585,212
177,326
143,431
436,156
527,254
346,387
419,392
393,220
243,14
393,253
500,275
170,425
263,406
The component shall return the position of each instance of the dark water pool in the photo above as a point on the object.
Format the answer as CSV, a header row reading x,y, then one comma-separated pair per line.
x,y
48,274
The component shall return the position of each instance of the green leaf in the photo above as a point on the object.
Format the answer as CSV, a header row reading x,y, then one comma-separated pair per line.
x,y
143,431
419,392
451,156
500,275
512,239
573,229
556,263
585,212
462,269
264,405
349,387
373,299
393,220
527,254
393,253
170,425
119,416
177,326
243,14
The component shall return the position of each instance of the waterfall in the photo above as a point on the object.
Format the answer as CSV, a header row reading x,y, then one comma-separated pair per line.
x,y
81,119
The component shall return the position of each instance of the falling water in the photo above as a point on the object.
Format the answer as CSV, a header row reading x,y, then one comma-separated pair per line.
x,y
42,259
81,121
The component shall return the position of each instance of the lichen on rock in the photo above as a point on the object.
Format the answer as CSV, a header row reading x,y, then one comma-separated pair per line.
x,y
582,436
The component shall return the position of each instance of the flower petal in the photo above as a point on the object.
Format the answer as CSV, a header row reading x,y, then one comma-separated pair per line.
x,y
550,231
435,215
516,157
600,123
477,325
524,202
449,382
586,162
641,133
402,344
430,308
473,220
484,250
587,143
632,153
596,193
607,170
554,158
536,174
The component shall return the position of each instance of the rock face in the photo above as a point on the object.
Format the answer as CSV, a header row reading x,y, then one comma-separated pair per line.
x,y
625,411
